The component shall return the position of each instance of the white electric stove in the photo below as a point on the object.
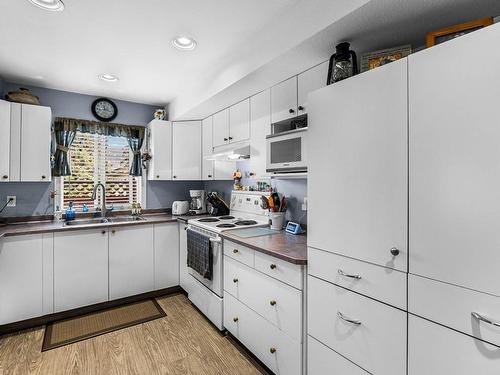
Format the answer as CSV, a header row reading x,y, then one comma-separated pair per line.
x,y
245,212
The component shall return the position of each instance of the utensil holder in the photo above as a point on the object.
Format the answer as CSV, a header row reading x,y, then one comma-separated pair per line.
x,y
277,220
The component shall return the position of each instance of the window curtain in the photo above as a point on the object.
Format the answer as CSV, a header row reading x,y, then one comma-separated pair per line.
x,y
65,130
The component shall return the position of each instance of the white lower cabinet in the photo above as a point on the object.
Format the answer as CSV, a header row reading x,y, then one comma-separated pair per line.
x,y
369,333
323,360
131,261
21,278
434,349
166,255
80,268
281,354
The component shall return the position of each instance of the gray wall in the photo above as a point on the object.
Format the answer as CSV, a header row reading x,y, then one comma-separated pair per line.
x,y
70,104
2,84
161,194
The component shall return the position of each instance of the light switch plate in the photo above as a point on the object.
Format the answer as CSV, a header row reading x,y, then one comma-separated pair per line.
x,y
13,202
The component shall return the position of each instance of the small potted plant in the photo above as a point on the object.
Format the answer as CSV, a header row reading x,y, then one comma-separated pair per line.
x,y
237,180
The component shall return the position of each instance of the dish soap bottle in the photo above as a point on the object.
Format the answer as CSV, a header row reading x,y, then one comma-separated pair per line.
x,y
70,212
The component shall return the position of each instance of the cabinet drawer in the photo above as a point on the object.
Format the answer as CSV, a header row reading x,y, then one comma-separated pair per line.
x,y
453,306
279,269
434,349
276,350
322,360
277,302
239,252
377,343
384,284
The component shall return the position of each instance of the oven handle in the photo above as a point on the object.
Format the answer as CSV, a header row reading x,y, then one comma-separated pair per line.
x,y
216,240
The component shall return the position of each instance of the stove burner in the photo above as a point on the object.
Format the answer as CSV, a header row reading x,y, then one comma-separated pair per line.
x,y
246,222
226,225
226,217
208,220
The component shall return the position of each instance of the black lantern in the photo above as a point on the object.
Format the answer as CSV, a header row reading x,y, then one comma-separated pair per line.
x,y
343,64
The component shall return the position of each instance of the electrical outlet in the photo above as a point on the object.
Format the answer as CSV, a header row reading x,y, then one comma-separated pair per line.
x,y
304,204
12,199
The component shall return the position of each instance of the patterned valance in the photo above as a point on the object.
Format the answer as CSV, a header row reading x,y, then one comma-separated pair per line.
x,y
96,127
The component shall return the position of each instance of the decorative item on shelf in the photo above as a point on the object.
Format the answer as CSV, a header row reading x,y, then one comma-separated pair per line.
x,y
23,95
372,60
343,64
160,114
146,157
237,180
452,32
104,109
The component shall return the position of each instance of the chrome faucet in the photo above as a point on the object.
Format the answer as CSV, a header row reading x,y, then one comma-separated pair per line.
x,y
94,194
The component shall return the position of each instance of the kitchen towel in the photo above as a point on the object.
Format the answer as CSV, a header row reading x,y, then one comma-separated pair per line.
x,y
199,253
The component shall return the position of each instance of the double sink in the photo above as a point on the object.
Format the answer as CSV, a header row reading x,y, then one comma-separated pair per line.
x,y
102,220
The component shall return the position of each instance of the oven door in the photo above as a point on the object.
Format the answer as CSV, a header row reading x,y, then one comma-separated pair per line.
x,y
216,284
287,152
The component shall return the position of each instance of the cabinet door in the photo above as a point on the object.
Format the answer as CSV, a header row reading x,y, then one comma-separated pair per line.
x,y
4,140
80,268
207,166
15,142
166,254
358,167
309,81
21,278
131,261
186,148
239,121
221,128
455,162
260,122
284,100
35,143
160,143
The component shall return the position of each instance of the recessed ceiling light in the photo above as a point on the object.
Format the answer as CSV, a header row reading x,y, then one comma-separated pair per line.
x,y
108,77
52,5
184,43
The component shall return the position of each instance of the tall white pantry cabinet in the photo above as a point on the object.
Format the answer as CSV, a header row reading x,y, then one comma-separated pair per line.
x,y
403,267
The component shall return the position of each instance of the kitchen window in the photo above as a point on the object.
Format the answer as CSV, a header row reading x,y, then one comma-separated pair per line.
x,y
98,158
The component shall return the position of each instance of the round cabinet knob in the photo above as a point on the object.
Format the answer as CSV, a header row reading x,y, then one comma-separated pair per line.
x,y
43,177
225,139
235,251
113,231
235,319
235,280
5,177
103,232
394,251
272,303
291,111
272,350
251,174
157,176
300,108
209,176
230,138
272,266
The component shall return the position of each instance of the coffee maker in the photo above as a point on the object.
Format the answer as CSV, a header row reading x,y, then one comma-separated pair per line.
x,y
197,205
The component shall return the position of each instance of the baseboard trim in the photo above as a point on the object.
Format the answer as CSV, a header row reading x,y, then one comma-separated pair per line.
x,y
45,319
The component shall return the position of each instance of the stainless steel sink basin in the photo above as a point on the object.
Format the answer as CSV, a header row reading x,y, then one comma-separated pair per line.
x,y
99,220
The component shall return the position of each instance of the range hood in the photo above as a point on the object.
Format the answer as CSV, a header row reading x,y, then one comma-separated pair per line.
x,y
234,153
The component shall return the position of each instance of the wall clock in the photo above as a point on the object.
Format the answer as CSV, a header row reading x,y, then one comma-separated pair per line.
x,y
104,109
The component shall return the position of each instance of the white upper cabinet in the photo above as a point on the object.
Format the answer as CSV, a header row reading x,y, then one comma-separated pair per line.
x,y
25,132
284,100
455,162
4,141
160,146
35,143
309,81
186,150
358,167
239,121
221,128
260,122
207,166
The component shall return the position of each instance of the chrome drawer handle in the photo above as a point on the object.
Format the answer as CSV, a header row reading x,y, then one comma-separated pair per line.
x,y
348,320
342,273
484,319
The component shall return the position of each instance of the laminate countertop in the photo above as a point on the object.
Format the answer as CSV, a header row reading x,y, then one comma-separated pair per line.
x,y
289,247
33,227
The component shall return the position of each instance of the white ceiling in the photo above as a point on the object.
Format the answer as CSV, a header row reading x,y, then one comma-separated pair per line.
x,y
243,46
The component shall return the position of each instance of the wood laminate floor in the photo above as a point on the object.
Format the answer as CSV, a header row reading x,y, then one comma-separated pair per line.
x,y
183,342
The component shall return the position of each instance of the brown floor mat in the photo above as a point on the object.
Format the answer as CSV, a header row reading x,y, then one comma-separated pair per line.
x,y
83,327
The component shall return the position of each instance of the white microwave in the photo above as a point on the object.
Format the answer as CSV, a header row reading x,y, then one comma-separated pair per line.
x,y
287,151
